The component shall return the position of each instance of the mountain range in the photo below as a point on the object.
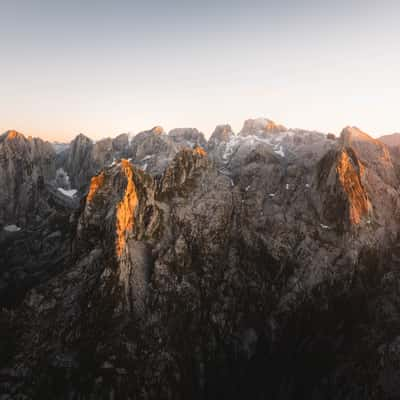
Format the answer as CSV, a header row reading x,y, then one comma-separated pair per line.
x,y
258,265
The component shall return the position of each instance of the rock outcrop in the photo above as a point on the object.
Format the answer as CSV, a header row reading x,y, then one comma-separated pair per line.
x,y
26,165
261,127
187,137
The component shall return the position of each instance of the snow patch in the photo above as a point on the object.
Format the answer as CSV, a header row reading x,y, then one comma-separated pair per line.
x,y
69,193
324,226
279,150
12,228
131,135
253,140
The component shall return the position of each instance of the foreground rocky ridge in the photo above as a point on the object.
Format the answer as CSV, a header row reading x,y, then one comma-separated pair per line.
x,y
258,265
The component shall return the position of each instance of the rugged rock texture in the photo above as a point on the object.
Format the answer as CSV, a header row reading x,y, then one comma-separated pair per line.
x,y
79,161
187,137
26,165
121,145
262,265
153,150
84,158
218,142
344,199
261,127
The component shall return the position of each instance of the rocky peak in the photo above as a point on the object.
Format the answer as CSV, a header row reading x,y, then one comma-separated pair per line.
x,y
184,168
152,150
13,135
159,130
25,167
81,143
351,134
261,127
187,137
156,131
79,161
119,206
221,134
121,143
103,152
371,152
82,139
113,198
16,141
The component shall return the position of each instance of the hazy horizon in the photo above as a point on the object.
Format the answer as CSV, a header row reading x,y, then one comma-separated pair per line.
x,y
207,134
104,68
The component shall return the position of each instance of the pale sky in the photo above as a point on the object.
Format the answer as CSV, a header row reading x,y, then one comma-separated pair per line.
x,y
109,66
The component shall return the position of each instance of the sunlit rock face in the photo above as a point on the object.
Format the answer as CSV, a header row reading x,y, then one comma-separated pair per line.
x,y
345,200
380,176
26,165
120,209
221,134
95,184
261,127
183,169
126,208
372,153
222,270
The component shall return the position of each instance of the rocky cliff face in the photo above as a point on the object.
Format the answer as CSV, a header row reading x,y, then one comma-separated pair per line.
x,y
79,161
26,166
256,266
84,158
152,150
340,180
187,137
261,127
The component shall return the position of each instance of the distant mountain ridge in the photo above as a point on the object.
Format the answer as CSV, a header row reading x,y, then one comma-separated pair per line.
x,y
391,140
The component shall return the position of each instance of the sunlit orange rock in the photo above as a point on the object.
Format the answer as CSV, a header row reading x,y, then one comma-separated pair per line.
x,y
349,173
158,130
95,184
13,134
126,208
200,151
